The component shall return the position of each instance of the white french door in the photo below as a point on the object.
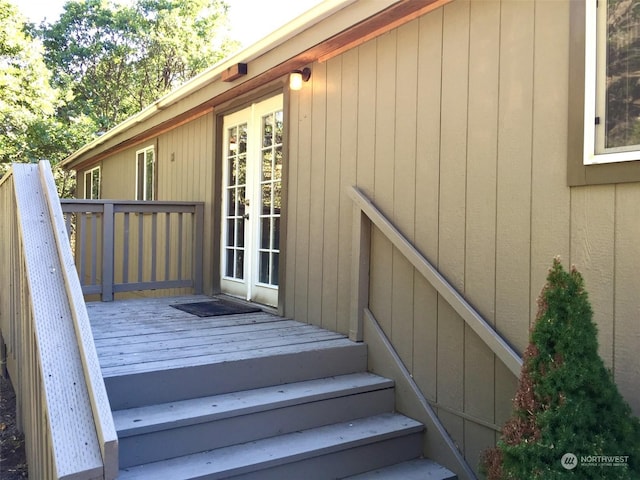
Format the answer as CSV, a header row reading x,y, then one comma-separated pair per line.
x,y
251,201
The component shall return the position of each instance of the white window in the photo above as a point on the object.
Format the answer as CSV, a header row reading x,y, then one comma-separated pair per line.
x,y
612,84
92,184
145,174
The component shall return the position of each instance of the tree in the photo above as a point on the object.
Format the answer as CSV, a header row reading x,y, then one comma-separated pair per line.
x,y
567,406
27,101
108,61
182,38
114,60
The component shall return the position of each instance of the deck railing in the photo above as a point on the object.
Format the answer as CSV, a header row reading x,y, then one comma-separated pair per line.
x,y
123,246
62,405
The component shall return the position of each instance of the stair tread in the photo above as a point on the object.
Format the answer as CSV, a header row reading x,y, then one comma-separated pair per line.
x,y
420,469
292,333
139,420
328,341
282,449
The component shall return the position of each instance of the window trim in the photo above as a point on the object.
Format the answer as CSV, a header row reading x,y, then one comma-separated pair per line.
x,y
594,100
580,114
143,170
88,195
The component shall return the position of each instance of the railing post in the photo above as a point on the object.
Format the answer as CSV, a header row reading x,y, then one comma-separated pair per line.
x,y
360,259
198,249
107,252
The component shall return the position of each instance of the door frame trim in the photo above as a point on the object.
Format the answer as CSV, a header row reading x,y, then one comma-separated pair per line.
x,y
277,87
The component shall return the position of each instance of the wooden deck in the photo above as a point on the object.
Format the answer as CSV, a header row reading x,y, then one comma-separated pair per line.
x,y
143,335
247,395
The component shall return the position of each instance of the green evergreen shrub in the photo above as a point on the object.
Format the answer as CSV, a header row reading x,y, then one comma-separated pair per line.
x,y
567,401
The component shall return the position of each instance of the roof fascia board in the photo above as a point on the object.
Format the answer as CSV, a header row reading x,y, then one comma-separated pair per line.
x,y
258,49
272,57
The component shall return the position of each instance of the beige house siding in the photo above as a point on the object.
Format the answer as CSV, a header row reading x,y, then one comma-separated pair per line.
x,y
118,176
455,125
186,173
185,170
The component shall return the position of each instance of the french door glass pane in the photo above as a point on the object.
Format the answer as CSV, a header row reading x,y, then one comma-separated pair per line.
x,y
240,232
235,182
267,130
276,233
264,267
265,233
623,74
266,199
239,263
274,268
231,229
278,126
267,165
241,201
270,193
268,268
230,263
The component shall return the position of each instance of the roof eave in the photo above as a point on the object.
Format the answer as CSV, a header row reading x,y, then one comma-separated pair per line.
x,y
286,32
351,23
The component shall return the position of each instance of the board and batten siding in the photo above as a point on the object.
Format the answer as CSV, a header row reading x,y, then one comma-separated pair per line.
x,y
183,158
185,172
455,125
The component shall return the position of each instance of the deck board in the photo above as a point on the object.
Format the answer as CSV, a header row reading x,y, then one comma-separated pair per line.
x,y
245,345
175,326
188,335
138,335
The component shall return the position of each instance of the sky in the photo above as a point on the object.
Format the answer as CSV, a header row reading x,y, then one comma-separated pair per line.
x,y
251,20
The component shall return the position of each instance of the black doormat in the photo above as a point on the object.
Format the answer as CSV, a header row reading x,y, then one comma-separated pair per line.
x,y
214,308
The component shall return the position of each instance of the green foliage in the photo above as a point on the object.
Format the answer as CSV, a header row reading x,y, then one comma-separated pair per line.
x,y
114,60
27,101
567,401
108,60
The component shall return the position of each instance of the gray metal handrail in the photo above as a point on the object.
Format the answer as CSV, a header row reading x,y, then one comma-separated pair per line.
x,y
159,244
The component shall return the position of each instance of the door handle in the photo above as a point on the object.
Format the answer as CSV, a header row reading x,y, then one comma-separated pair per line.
x,y
246,216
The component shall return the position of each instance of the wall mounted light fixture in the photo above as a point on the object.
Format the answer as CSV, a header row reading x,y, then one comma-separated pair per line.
x,y
297,78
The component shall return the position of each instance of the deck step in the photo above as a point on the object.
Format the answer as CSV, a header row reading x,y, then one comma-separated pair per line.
x,y
420,469
158,432
251,396
212,374
332,451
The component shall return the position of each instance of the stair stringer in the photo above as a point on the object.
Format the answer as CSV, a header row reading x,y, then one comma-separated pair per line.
x,y
383,360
